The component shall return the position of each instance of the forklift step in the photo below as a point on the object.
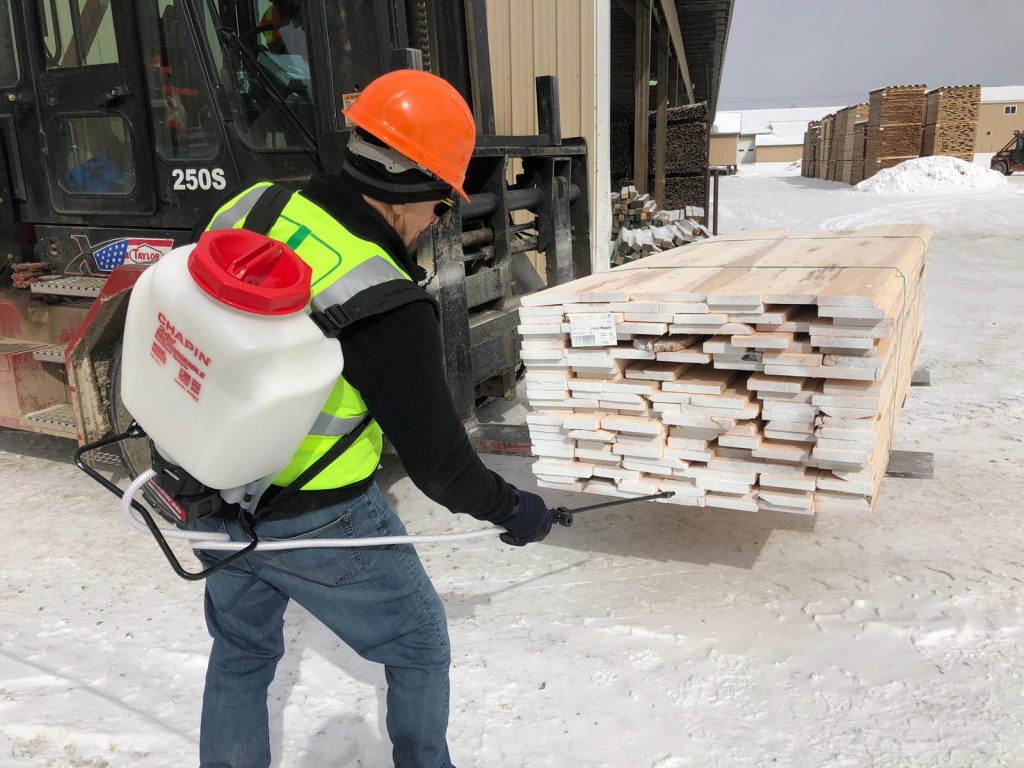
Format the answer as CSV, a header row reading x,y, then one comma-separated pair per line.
x,y
51,354
14,346
56,418
81,287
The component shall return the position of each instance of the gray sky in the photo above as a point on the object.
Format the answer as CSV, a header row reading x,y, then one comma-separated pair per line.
x,y
784,53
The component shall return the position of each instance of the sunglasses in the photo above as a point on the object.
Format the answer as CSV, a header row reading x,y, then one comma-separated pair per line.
x,y
443,207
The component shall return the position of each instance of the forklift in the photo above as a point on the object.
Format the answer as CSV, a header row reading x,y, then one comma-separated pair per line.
x,y
1010,159
124,123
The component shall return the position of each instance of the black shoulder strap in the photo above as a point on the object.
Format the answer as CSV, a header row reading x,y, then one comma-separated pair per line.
x,y
375,300
267,209
314,469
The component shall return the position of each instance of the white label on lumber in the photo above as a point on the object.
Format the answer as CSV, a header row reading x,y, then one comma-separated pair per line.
x,y
592,330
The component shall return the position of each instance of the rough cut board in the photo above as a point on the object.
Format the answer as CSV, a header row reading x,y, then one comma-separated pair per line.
x,y
756,371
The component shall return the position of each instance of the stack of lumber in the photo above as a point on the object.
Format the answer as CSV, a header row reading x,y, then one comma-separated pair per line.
x,y
895,122
640,228
835,152
807,156
846,137
951,121
620,141
631,210
814,150
860,148
686,155
758,371
824,164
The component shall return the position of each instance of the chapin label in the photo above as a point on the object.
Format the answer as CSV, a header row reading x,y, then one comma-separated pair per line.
x,y
170,344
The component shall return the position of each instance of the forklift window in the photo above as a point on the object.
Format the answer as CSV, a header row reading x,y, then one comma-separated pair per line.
x,y
78,33
184,123
260,52
9,72
94,155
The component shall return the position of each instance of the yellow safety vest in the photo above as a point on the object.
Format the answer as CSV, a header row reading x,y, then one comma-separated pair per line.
x,y
343,265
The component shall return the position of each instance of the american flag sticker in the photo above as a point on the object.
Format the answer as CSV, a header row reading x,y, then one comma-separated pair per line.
x,y
130,250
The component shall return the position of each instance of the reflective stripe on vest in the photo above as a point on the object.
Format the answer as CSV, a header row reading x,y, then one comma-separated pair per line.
x,y
331,426
343,265
233,214
371,272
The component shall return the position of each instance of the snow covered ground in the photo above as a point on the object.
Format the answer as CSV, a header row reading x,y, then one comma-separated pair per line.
x,y
646,637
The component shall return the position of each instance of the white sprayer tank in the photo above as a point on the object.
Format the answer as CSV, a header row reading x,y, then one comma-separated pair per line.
x,y
222,366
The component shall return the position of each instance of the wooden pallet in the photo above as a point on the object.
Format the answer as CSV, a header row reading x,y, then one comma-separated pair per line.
x,y
762,371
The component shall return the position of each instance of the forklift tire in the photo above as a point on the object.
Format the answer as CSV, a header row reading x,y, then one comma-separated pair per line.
x,y
135,454
1001,167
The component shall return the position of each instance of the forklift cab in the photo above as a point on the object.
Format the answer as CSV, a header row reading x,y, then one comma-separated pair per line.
x,y
1017,154
143,112
124,123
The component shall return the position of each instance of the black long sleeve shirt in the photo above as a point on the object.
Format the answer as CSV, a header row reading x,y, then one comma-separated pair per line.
x,y
395,360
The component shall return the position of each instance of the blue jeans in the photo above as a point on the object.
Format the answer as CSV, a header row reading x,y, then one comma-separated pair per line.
x,y
378,600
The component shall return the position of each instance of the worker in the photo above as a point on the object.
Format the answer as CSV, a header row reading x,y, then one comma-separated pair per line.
x,y
404,163
284,32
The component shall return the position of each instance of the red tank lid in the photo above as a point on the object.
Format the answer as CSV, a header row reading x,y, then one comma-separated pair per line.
x,y
250,272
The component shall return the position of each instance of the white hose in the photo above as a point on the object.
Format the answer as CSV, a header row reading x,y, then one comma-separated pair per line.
x,y
221,541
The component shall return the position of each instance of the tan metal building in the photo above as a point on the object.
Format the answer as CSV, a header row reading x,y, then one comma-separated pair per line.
x,y
779,153
1000,114
723,150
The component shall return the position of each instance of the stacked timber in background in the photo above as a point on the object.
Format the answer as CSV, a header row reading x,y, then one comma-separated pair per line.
x,y
846,136
812,149
620,145
686,156
951,121
640,228
760,371
894,126
835,153
860,148
825,164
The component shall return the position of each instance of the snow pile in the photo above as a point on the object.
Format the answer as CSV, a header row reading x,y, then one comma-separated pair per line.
x,y
928,175
795,166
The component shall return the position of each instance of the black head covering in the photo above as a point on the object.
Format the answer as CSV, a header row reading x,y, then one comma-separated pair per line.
x,y
374,180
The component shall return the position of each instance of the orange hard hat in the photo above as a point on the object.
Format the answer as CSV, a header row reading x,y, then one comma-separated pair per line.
x,y
421,116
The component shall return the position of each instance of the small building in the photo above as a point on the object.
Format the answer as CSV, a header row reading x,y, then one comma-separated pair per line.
x,y
783,145
762,135
1000,114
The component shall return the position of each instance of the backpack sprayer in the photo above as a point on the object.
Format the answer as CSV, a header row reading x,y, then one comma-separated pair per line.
x,y
225,372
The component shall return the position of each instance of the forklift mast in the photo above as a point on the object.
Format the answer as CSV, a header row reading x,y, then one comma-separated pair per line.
x,y
123,123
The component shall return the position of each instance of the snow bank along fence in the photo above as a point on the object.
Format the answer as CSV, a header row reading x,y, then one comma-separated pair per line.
x,y
758,371
899,123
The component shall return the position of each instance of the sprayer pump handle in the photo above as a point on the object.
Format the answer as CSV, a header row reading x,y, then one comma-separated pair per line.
x,y
561,516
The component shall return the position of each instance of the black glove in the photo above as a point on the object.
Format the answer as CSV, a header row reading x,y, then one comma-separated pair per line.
x,y
530,522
